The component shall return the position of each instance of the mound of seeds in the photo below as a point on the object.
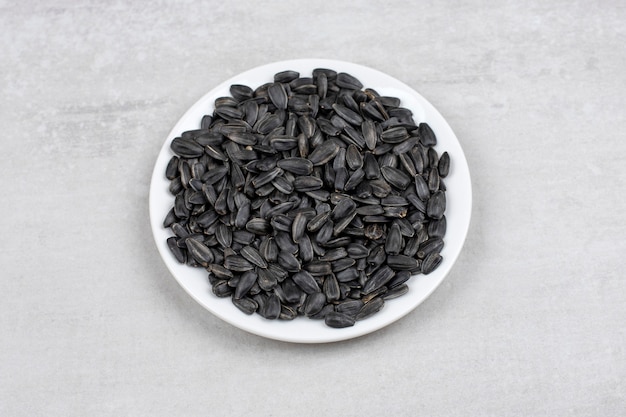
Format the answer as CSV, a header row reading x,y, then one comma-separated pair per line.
x,y
308,196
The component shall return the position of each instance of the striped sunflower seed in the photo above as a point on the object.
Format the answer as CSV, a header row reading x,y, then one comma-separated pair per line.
x,y
306,282
296,165
339,320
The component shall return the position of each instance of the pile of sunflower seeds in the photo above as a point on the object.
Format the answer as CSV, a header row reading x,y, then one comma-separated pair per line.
x,y
308,196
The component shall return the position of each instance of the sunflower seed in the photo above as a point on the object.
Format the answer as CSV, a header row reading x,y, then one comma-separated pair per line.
x,y
436,205
222,289
347,275
432,245
341,225
271,309
171,171
334,254
224,235
407,164
338,320
267,281
306,248
356,251
306,282
354,180
246,305
348,115
394,135
379,278
325,232
253,256
345,80
427,136
395,177
343,208
286,76
266,177
421,187
411,246
319,268
353,136
246,281
285,243
237,263
186,148
400,278
437,228
278,95
444,165
350,307
431,262
317,222
278,271
393,244
287,313
258,226
289,261
402,262
298,227
370,308
314,303
281,222
324,153
199,252
342,264
220,272
368,128
370,210
297,166
395,212
307,183
178,253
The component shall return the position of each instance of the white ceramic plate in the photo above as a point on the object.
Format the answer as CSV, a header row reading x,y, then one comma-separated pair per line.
x,y
304,330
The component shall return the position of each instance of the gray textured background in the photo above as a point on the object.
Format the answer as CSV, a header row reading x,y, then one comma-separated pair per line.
x,y
531,320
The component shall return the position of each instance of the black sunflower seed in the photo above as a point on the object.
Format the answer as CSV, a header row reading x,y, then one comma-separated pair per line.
x,y
395,177
431,262
314,303
339,320
237,263
436,205
342,264
370,308
246,305
306,282
253,256
246,281
296,165
186,148
345,80
200,252
427,136
324,153
402,262
348,115
289,261
393,244
378,279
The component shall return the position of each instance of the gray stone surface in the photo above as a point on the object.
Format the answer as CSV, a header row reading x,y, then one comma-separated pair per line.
x,y
531,320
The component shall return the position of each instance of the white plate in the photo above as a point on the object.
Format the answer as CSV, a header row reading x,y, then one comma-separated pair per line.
x,y
304,330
